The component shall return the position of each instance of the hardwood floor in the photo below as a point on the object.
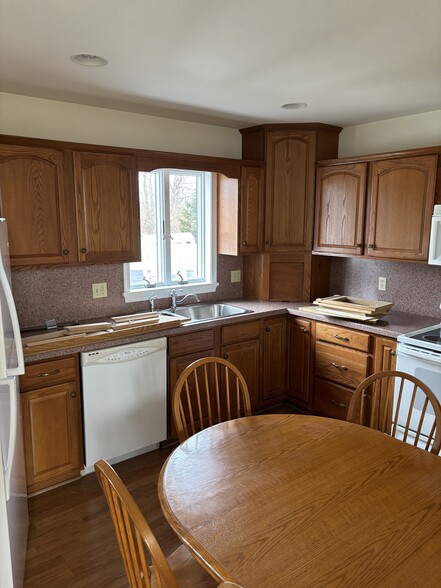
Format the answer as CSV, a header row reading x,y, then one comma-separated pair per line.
x,y
72,543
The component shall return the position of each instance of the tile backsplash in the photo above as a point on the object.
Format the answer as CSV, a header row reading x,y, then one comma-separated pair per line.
x,y
412,287
65,293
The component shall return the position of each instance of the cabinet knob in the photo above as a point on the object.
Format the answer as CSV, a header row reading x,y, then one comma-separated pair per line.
x,y
358,244
267,329
225,356
65,251
372,246
244,242
83,250
73,394
305,330
393,353
46,374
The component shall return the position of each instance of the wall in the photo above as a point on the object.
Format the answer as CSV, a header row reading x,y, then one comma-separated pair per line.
x,y
404,132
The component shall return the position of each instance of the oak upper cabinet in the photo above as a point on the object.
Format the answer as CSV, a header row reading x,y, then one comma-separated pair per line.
x,y
34,201
299,360
106,191
290,161
251,202
378,208
400,207
340,208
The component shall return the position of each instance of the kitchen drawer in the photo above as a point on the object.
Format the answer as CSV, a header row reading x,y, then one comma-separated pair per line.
x,y
49,373
331,400
343,337
341,365
241,332
191,342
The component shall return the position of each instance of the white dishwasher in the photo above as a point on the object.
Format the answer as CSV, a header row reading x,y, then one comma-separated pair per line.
x,y
124,400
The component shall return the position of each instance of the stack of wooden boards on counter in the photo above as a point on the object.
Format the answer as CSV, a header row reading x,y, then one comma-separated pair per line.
x,y
348,307
84,334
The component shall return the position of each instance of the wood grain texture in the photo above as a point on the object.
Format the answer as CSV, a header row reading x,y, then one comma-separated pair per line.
x,y
274,362
291,500
227,216
251,209
299,356
340,365
344,337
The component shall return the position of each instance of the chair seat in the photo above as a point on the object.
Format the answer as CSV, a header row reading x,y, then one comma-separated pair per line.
x,y
187,572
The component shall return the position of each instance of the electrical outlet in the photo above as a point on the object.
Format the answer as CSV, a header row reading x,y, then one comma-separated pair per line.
x,y
382,284
99,290
235,276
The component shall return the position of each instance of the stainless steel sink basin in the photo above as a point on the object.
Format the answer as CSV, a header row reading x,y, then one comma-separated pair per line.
x,y
206,312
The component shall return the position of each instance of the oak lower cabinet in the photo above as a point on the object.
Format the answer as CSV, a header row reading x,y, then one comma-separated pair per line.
x,y
343,359
385,354
274,359
52,424
299,361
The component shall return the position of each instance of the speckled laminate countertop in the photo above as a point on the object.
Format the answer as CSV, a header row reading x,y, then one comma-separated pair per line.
x,y
394,324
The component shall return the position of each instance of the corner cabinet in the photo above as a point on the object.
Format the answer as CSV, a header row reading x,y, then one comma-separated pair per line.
x,y
379,208
40,215
299,361
106,193
274,361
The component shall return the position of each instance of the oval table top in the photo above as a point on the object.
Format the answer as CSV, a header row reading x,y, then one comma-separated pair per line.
x,y
279,501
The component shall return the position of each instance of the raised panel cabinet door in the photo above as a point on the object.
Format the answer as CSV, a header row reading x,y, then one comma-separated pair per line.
x,y
246,357
385,354
107,202
34,203
290,174
52,434
251,210
340,208
274,353
299,360
401,196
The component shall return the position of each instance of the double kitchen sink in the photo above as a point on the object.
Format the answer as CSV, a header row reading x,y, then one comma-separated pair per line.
x,y
199,313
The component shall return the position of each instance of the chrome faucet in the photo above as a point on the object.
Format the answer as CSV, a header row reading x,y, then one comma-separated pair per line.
x,y
175,302
152,303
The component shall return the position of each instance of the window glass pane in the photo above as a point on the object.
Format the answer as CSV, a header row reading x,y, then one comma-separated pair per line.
x,y
185,199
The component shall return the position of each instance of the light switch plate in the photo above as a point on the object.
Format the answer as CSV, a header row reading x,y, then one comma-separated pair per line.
x,y
235,276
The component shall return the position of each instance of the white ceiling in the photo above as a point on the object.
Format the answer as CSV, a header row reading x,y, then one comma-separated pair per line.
x,y
229,62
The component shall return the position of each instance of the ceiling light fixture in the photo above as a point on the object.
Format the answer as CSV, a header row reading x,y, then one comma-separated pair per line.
x,y
89,59
294,105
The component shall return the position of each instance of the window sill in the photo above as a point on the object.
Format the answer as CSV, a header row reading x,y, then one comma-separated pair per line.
x,y
164,291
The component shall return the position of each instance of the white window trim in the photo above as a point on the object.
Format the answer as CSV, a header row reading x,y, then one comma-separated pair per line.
x,y
195,287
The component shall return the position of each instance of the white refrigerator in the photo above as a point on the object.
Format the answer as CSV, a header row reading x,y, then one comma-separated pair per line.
x,y
13,497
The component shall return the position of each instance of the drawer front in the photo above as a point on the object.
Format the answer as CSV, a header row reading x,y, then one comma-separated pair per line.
x,y
331,400
241,332
341,365
343,337
191,342
48,373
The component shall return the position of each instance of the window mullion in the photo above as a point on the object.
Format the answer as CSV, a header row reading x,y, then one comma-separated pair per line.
x,y
166,227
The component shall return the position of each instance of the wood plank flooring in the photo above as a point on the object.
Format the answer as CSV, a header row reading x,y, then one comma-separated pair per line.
x,y
72,542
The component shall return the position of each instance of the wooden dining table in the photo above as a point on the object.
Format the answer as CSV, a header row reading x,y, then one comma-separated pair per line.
x,y
280,501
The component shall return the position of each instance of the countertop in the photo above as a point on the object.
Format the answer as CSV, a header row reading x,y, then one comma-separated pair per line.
x,y
395,323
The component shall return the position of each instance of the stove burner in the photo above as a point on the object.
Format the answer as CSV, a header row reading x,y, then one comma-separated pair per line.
x,y
432,338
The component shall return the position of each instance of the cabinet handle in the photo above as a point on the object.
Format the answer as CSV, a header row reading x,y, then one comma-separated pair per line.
x,y
267,329
65,251
83,250
358,244
73,394
305,330
46,374
372,246
393,353
339,367
340,338
341,404
225,355
244,242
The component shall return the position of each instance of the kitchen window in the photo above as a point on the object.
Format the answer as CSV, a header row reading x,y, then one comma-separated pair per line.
x,y
178,234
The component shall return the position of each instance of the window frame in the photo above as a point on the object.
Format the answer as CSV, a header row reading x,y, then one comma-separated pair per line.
x,y
198,287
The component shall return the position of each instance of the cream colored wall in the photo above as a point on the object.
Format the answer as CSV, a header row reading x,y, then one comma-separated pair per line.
x,y
50,119
404,132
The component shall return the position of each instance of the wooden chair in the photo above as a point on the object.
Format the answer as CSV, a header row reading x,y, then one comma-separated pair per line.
x,y
144,560
400,405
210,390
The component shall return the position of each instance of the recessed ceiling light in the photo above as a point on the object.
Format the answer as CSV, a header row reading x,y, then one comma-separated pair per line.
x,y
89,59
294,105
